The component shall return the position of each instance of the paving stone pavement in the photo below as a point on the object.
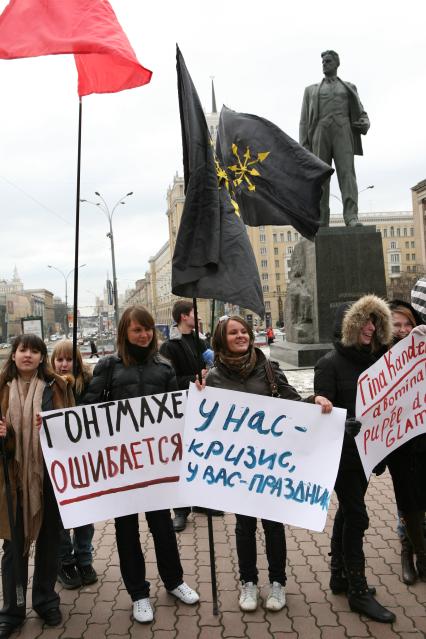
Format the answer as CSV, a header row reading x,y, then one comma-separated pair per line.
x,y
312,612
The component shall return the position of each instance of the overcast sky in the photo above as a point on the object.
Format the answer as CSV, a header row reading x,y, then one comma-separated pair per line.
x,y
262,55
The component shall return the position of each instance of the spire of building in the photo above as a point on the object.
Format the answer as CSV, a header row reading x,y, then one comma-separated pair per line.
x,y
15,276
214,108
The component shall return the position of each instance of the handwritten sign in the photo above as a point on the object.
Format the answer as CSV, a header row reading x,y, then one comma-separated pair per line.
x,y
260,456
391,400
116,458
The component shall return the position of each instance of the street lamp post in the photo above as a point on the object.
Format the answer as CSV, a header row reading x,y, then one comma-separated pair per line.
x,y
66,290
104,207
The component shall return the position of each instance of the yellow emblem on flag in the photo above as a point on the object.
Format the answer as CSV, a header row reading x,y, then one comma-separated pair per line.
x,y
245,168
223,180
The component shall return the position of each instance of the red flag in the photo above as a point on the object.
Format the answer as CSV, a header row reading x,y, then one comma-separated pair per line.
x,y
105,60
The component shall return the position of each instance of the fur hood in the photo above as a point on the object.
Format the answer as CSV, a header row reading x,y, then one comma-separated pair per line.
x,y
357,315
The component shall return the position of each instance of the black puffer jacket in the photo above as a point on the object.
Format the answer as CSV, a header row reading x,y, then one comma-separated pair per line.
x,y
336,374
155,375
181,354
257,382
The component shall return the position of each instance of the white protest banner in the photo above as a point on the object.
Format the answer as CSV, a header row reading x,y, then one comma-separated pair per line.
x,y
116,458
260,456
391,400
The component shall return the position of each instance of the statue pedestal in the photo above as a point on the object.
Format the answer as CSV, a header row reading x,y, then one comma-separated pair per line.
x,y
340,266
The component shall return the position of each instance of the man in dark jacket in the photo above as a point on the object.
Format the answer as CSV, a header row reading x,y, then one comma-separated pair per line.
x,y
187,360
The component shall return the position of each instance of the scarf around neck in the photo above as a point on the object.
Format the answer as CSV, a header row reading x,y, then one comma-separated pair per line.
x,y
28,461
242,365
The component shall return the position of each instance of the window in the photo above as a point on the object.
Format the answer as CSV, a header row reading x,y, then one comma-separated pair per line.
x,y
264,263
395,269
261,228
268,306
392,231
395,258
277,264
262,237
398,232
277,276
412,244
276,250
281,237
265,277
274,237
385,232
288,236
278,289
405,231
411,231
265,287
414,268
393,245
296,237
407,244
413,257
263,250
289,250
408,269
407,257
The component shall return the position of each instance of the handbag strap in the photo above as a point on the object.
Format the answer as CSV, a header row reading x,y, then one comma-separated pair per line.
x,y
271,379
107,388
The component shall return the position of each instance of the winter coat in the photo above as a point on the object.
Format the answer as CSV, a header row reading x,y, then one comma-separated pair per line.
x,y
57,394
154,376
184,362
336,373
257,382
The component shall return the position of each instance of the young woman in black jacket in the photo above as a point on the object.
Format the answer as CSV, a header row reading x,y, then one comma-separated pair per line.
x,y
139,370
239,366
363,333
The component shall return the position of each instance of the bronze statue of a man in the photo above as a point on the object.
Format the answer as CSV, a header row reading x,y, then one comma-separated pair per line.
x,y
331,125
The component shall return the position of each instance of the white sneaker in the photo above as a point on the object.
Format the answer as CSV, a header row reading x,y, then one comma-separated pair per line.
x,y
142,611
276,597
185,594
249,596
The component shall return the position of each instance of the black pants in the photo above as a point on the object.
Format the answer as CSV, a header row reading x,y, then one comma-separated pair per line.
x,y
132,562
351,520
276,549
44,596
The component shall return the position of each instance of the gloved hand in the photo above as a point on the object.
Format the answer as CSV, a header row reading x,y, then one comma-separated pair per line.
x,y
352,426
380,468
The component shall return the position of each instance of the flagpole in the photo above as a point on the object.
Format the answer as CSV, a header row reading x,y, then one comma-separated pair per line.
x,y
76,245
212,320
209,515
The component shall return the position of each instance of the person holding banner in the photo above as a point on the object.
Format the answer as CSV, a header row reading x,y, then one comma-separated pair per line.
x,y
75,555
240,366
28,386
138,370
407,466
362,334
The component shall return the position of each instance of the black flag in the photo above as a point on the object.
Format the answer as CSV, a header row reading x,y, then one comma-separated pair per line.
x,y
213,257
273,178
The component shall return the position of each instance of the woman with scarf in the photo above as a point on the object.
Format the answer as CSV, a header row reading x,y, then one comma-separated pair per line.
x,y
75,555
363,332
139,370
240,366
28,386
407,466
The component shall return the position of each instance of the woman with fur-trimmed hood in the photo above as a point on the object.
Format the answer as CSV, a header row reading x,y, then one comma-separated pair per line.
x,y
362,334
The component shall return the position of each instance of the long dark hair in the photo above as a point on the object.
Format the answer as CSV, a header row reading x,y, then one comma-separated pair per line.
x,y
10,372
219,342
141,315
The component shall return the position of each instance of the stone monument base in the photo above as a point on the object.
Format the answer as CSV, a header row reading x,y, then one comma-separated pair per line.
x,y
300,355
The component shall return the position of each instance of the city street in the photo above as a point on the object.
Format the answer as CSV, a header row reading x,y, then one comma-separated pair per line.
x,y
104,608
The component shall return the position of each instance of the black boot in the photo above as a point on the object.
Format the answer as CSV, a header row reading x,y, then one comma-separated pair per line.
x,y
360,598
338,580
414,526
421,565
409,574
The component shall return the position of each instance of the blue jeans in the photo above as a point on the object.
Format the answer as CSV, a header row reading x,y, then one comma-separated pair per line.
x,y
79,549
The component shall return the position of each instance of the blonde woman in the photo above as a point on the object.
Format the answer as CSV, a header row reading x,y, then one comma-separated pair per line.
x,y
75,559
